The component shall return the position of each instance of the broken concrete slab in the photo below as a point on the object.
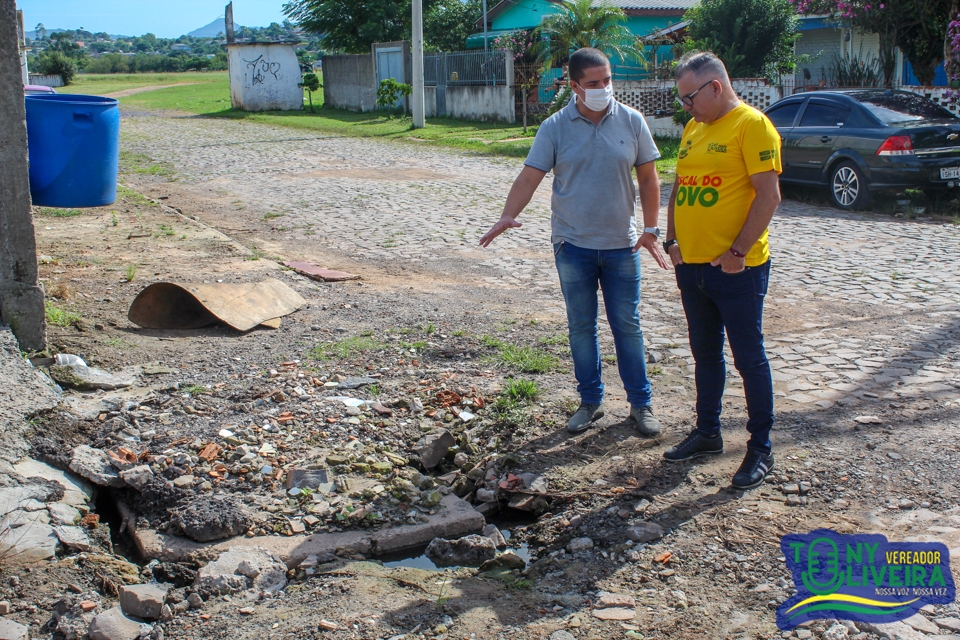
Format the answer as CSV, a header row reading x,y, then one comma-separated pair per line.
x,y
138,477
29,543
645,532
84,378
239,569
504,562
10,630
614,613
113,625
94,465
73,537
455,518
433,447
78,491
142,600
209,518
24,391
13,498
470,551
318,273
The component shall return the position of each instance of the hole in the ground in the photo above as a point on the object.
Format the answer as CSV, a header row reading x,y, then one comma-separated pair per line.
x,y
105,505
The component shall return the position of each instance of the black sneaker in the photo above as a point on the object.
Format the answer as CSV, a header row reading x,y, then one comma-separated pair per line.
x,y
694,446
753,470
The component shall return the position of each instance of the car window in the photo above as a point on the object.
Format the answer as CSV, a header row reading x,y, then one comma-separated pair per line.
x,y
820,115
902,107
784,115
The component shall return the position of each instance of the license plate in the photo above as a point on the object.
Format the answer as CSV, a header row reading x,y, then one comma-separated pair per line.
x,y
950,173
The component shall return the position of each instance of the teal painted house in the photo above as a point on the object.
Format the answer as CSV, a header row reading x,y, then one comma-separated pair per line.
x,y
643,16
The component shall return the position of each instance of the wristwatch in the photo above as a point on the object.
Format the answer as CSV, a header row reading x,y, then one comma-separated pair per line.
x,y
654,231
668,244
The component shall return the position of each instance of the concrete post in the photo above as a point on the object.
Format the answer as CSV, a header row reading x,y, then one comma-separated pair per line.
x,y
417,97
21,298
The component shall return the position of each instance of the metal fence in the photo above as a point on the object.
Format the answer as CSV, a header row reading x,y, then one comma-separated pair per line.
x,y
465,68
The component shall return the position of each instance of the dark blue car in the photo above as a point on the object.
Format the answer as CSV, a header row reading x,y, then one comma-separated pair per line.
x,y
861,140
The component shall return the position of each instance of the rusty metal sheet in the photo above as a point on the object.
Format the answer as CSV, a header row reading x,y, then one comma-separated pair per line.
x,y
319,273
171,305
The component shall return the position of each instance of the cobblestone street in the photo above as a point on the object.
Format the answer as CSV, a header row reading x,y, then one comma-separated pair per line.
x,y
861,306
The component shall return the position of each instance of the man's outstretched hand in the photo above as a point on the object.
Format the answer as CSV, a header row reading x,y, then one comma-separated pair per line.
x,y
649,242
502,225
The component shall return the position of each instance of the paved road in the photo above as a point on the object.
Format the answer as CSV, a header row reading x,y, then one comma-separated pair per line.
x,y
862,307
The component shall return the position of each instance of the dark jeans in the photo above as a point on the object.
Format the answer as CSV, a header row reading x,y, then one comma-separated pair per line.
x,y
617,273
714,301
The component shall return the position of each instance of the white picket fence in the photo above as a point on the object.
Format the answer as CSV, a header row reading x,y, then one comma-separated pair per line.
x,y
46,81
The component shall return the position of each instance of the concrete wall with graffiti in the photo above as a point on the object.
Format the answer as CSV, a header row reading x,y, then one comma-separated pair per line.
x,y
264,77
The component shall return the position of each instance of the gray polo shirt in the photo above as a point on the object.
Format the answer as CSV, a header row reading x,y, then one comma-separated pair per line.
x,y
594,184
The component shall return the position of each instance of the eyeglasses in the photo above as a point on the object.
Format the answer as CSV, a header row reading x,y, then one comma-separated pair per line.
x,y
688,99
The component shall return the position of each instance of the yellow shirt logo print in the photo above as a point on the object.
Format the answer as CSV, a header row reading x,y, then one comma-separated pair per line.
x,y
694,190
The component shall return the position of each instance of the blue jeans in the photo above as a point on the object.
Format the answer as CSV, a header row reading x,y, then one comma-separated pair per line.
x,y
714,301
617,273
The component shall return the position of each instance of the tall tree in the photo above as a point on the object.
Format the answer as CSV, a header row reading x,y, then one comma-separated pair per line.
x,y
448,24
754,38
917,27
579,24
352,26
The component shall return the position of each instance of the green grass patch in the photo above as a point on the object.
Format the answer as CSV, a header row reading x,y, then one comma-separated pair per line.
x,y
141,163
101,83
60,317
493,343
54,212
518,390
343,348
555,339
194,389
528,359
134,197
130,272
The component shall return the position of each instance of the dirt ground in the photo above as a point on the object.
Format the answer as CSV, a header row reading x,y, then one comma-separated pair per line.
x,y
422,330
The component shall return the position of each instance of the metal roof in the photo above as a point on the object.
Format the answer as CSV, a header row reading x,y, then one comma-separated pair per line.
x,y
649,4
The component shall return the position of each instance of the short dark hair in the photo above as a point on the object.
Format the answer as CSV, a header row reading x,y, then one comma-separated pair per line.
x,y
583,59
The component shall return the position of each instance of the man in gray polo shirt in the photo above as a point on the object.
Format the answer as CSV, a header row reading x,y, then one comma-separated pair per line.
x,y
594,146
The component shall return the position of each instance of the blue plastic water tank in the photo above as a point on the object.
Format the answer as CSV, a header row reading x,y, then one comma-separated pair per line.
x,y
74,147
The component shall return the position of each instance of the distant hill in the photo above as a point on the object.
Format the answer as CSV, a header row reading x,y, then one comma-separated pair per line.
x,y
211,30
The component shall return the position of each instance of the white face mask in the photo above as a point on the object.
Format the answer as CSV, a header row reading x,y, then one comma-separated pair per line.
x,y
597,99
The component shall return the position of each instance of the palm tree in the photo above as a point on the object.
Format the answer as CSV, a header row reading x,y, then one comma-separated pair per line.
x,y
580,23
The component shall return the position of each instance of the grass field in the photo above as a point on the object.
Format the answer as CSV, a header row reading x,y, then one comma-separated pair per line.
x,y
210,96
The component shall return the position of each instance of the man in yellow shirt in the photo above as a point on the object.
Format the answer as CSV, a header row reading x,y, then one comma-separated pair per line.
x,y
725,194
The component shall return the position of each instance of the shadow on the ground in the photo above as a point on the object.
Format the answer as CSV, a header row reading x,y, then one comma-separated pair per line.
x,y
655,479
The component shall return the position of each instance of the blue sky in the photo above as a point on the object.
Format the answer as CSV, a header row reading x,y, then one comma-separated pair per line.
x,y
164,18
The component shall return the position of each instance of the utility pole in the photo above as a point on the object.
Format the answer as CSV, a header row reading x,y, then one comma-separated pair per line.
x,y
417,97
21,298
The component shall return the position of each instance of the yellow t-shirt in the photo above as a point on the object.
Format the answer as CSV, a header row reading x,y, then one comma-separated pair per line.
x,y
714,193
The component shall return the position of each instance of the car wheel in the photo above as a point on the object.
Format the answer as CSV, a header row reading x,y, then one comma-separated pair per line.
x,y
849,188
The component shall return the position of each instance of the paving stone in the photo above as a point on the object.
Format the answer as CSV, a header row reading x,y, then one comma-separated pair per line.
x,y
113,625
142,600
10,630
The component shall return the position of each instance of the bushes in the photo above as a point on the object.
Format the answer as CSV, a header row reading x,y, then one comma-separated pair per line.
x,y
55,63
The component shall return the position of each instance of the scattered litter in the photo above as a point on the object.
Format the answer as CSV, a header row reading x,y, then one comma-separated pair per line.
x,y
68,360
319,273
168,305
